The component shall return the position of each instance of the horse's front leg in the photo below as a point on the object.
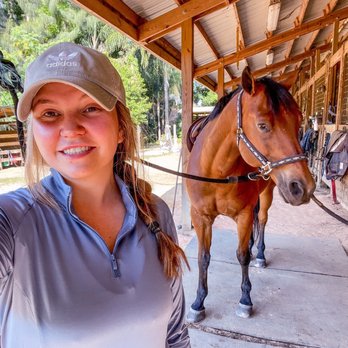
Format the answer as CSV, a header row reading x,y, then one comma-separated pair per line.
x,y
244,226
255,231
266,199
203,227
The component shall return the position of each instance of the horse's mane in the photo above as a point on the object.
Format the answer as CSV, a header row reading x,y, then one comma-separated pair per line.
x,y
277,95
220,105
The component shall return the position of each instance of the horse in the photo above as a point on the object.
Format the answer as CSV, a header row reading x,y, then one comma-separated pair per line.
x,y
250,136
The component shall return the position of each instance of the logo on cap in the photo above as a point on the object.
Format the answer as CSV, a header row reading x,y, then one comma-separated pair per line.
x,y
63,59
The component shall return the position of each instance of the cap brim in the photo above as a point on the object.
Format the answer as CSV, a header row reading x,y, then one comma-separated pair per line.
x,y
99,94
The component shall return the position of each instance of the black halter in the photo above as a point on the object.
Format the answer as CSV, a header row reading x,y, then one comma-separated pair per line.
x,y
266,165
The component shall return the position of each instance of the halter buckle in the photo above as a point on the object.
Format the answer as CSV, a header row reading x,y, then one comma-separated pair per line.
x,y
266,169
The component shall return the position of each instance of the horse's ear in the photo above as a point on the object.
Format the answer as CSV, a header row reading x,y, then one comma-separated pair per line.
x,y
290,80
248,82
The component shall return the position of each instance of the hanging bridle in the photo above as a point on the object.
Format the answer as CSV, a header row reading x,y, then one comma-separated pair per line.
x,y
266,166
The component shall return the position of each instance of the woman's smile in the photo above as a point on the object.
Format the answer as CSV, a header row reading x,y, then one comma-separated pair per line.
x,y
77,150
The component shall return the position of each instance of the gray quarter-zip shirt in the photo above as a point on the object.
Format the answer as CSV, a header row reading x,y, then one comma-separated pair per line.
x,y
61,287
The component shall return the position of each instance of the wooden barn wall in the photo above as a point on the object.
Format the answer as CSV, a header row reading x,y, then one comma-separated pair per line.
x,y
342,185
319,98
314,94
344,115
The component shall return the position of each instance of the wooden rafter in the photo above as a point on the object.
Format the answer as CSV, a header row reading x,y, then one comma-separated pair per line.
x,y
326,10
285,62
127,22
169,21
206,37
108,13
240,44
125,11
298,21
275,40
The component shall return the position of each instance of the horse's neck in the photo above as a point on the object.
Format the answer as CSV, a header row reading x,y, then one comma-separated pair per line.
x,y
219,153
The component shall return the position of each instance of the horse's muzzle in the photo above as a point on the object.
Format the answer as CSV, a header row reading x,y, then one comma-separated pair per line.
x,y
297,192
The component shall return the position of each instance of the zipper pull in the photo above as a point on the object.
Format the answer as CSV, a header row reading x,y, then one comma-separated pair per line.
x,y
115,268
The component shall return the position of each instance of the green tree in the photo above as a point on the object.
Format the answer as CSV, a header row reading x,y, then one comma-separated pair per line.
x,y
203,96
10,10
137,100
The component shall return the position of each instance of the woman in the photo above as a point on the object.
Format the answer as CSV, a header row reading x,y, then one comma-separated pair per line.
x,y
86,254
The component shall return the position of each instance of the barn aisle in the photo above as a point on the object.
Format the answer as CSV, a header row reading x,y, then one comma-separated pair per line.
x,y
300,299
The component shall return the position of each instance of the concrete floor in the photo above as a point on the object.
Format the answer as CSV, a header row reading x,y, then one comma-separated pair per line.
x,y
300,299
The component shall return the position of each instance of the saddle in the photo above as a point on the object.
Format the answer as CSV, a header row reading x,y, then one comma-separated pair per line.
x,y
194,130
336,158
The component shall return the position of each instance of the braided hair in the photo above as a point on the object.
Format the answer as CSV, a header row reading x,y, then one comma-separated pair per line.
x,y
169,253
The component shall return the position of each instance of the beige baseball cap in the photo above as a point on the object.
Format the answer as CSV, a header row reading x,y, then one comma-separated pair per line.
x,y
84,68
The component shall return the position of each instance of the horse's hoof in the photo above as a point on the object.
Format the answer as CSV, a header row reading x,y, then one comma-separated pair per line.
x,y
243,311
194,316
260,263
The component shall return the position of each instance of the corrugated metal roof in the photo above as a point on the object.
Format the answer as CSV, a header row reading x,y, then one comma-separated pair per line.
x,y
221,26
150,9
253,16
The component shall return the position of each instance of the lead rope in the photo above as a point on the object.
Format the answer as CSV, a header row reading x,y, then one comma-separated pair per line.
x,y
327,210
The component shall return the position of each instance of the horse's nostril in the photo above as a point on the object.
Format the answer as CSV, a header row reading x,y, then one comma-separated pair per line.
x,y
296,188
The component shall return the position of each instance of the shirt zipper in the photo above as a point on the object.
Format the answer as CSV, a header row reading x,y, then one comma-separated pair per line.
x,y
114,264
115,268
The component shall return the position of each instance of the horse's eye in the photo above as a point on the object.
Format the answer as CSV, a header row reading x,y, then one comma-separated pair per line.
x,y
263,127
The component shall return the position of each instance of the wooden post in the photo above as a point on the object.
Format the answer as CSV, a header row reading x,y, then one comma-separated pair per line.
x,y
308,104
335,37
187,108
312,92
220,87
312,66
317,60
328,96
340,90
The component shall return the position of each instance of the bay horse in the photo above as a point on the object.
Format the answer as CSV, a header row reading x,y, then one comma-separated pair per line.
x,y
255,127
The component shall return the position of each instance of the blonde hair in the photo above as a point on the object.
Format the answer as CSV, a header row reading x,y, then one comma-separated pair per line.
x,y
170,254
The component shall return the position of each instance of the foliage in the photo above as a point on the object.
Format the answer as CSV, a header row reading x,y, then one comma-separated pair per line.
x,y
203,96
10,10
137,101
29,27
5,98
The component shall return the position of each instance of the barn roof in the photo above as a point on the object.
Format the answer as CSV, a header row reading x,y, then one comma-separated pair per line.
x,y
230,33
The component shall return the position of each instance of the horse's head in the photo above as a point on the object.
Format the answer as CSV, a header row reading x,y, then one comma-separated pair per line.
x,y
270,120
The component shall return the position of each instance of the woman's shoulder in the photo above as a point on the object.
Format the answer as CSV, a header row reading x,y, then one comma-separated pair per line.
x,y
164,216
18,201
160,204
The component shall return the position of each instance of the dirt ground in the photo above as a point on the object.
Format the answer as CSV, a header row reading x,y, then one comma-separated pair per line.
x,y
305,220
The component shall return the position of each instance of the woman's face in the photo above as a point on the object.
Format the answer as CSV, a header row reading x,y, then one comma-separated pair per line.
x,y
74,134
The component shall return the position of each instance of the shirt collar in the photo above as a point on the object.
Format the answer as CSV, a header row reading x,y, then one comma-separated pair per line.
x,y
61,192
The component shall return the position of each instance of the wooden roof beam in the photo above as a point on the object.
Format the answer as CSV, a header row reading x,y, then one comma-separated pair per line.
x,y
125,11
328,8
127,22
241,42
109,13
285,62
171,20
273,41
206,37
298,21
